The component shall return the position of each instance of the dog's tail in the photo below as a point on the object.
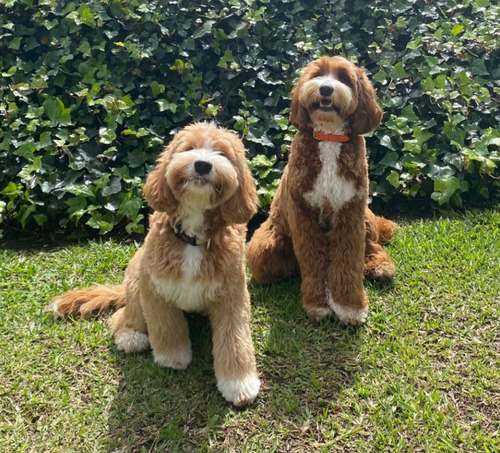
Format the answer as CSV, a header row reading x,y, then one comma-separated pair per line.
x,y
86,301
386,229
379,229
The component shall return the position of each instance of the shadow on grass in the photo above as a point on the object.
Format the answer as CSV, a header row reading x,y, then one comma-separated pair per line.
x,y
304,368
160,409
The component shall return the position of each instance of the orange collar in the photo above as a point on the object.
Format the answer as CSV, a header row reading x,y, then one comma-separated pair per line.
x,y
324,137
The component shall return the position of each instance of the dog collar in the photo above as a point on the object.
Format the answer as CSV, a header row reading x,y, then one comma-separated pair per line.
x,y
324,137
191,240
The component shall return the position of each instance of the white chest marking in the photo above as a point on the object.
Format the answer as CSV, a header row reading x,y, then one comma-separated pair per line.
x,y
189,293
329,184
191,261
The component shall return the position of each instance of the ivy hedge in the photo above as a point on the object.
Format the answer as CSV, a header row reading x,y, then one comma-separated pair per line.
x,y
89,91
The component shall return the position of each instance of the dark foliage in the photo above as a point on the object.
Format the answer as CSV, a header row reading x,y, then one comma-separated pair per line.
x,y
90,90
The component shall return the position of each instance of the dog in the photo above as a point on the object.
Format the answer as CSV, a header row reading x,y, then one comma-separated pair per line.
x,y
319,224
192,260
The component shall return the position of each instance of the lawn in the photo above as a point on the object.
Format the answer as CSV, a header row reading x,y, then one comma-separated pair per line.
x,y
422,375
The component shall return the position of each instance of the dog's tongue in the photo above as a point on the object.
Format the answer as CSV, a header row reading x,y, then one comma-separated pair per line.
x,y
325,103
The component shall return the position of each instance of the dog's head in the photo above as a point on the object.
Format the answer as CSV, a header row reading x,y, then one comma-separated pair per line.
x,y
203,168
334,92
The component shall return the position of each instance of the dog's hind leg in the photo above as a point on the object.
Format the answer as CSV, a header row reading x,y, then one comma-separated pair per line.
x,y
378,264
128,324
270,255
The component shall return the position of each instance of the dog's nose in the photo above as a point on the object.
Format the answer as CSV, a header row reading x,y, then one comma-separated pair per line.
x,y
202,167
325,90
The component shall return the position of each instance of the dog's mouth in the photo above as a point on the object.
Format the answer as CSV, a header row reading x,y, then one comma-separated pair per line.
x,y
325,105
199,180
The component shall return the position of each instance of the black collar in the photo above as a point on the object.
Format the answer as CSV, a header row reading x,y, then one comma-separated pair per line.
x,y
191,240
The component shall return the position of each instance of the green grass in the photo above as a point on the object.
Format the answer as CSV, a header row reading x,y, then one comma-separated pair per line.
x,y
423,375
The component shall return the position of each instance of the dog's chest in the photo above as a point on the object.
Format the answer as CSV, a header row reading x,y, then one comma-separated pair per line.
x,y
330,186
191,291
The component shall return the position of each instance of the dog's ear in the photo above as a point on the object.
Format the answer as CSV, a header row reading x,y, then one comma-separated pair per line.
x,y
368,114
242,205
157,192
298,114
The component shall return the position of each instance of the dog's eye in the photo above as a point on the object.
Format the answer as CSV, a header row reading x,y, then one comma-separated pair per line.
x,y
345,80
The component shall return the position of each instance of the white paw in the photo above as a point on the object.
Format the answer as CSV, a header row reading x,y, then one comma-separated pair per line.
x,y
178,361
132,342
348,315
240,392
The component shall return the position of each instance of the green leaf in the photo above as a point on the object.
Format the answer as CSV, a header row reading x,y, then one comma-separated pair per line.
x,y
204,29
26,150
444,188
79,190
106,136
163,105
157,88
393,179
399,72
56,111
131,207
478,67
10,72
15,43
211,110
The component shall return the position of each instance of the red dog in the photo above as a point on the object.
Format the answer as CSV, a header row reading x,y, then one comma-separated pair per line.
x,y
319,224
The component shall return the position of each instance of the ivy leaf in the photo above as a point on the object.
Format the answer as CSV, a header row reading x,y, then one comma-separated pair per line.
x,y
130,208
26,150
478,67
444,188
106,136
157,88
163,105
393,179
204,29
114,186
56,111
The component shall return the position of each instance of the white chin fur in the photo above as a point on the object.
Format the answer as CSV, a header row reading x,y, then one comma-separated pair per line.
x,y
132,342
240,392
178,361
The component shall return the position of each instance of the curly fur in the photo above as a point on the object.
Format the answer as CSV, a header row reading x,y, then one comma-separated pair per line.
x,y
200,181
319,225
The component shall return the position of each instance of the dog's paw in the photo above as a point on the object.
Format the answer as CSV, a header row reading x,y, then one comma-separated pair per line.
x,y
240,392
318,313
379,272
132,341
350,315
347,314
178,360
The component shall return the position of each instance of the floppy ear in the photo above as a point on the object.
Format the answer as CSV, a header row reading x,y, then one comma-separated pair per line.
x,y
298,114
368,114
242,205
156,190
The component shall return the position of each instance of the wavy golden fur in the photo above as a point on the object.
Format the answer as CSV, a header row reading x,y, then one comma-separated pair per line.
x,y
192,260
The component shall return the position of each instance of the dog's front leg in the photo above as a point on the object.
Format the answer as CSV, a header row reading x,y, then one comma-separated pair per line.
x,y
233,351
168,330
347,296
311,250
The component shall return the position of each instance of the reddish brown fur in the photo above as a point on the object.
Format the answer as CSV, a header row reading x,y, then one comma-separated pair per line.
x,y
220,277
331,249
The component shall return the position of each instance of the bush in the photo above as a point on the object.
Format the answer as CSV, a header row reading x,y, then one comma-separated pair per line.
x,y
90,90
